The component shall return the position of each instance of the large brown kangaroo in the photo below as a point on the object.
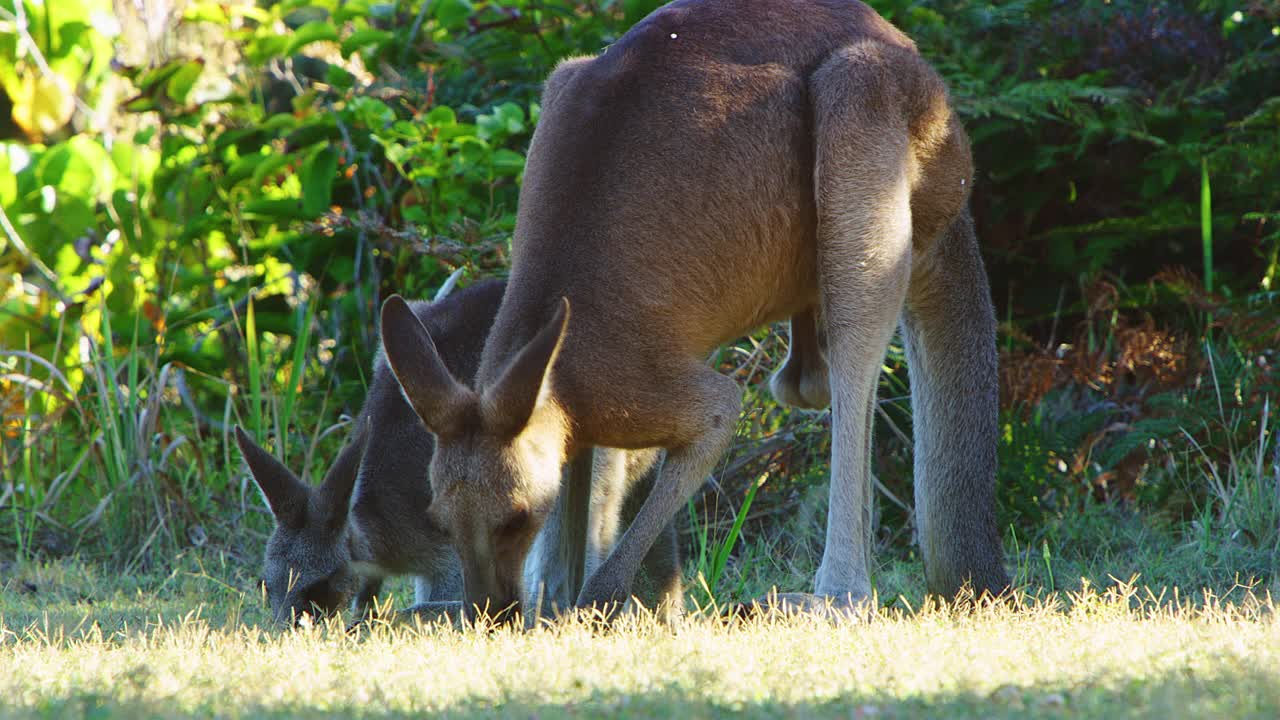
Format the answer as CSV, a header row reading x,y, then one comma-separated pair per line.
x,y
367,520
723,165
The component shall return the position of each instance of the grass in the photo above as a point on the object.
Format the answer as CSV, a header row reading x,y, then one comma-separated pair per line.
x,y
81,642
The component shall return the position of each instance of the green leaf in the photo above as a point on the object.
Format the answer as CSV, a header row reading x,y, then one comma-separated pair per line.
x,y
361,39
635,10
489,126
318,173
244,167
442,115
210,12
255,368
351,10
14,159
306,15
372,113
453,14
152,80
318,128
314,31
264,47
140,104
268,165
1206,223
282,121
181,82
398,154
133,224
283,209
79,167
512,115
340,79
508,161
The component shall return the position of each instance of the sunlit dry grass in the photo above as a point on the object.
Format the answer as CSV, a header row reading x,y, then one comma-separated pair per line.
x,y
1119,653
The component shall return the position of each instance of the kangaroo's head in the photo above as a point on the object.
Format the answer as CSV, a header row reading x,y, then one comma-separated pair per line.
x,y
308,560
499,449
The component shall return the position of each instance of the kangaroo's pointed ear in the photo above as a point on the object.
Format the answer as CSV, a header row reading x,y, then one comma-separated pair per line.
x,y
438,398
286,495
340,481
509,403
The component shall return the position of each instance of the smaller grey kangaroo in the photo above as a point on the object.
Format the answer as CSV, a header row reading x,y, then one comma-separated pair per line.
x,y
367,520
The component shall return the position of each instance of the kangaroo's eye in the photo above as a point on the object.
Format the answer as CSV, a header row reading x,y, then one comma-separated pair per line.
x,y
515,524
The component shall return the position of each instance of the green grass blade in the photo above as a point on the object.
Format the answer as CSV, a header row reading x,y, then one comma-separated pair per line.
x,y
109,406
722,553
255,370
132,418
1206,224
301,341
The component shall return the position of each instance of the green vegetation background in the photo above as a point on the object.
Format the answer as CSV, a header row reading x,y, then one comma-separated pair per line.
x,y
201,212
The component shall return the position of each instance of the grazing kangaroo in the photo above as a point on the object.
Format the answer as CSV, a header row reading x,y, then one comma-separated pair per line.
x,y
367,520
724,165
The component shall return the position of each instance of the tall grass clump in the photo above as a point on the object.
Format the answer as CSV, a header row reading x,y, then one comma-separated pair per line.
x,y
119,463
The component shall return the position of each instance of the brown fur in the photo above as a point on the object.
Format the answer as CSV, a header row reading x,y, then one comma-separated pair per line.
x,y
723,165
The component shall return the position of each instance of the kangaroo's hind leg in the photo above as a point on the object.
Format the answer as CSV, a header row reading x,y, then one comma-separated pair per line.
x,y
863,192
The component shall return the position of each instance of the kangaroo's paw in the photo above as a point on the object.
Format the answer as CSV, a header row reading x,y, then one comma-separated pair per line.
x,y
604,597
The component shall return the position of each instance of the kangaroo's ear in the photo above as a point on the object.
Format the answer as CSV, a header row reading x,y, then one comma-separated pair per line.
x,y
286,495
340,481
439,399
509,403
